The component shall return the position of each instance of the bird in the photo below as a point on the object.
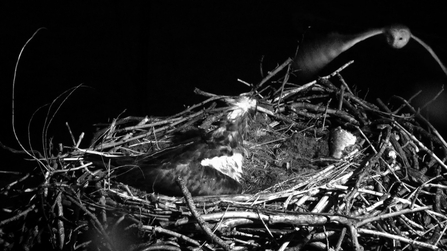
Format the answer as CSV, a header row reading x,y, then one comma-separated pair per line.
x,y
210,163
314,55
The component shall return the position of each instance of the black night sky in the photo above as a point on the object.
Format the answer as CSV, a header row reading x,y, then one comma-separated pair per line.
x,y
146,57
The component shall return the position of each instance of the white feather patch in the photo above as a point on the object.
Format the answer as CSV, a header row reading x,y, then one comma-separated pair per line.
x,y
242,106
228,165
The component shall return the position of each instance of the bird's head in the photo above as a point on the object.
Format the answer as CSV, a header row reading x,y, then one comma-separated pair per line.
x,y
240,106
235,123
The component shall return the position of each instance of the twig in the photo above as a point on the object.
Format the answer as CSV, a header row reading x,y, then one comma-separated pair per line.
x,y
421,145
396,237
161,247
295,90
424,120
60,223
274,72
354,238
81,137
7,187
340,239
17,216
103,146
212,98
433,99
343,82
71,133
260,66
286,78
171,233
203,225
24,151
94,219
389,215
339,69
244,82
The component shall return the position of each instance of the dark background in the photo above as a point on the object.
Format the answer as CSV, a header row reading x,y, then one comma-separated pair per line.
x,y
146,57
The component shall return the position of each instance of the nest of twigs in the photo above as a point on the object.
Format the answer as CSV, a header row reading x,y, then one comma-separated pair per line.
x,y
303,191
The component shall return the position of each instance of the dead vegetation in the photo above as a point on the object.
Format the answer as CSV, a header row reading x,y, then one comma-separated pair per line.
x,y
387,190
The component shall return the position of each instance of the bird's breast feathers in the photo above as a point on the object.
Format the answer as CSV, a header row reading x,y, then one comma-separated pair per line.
x,y
228,165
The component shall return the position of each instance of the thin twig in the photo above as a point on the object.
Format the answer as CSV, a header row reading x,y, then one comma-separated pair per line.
x,y
94,219
202,223
396,237
17,216
274,72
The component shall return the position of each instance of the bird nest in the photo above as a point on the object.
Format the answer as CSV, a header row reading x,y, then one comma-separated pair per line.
x,y
324,169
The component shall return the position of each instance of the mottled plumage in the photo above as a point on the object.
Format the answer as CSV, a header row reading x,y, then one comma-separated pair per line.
x,y
209,163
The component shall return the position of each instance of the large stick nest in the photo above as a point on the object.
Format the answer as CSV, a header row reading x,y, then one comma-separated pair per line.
x,y
303,190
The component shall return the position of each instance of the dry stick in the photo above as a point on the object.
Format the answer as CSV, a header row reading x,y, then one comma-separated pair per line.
x,y
298,89
340,101
274,72
24,151
153,124
248,243
71,133
60,223
390,215
409,101
17,216
102,201
436,236
95,220
433,99
155,138
367,139
139,126
304,218
340,239
208,94
161,247
424,120
171,233
203,225
295,90
343,82
363,175
401,152
81,137
265,225
321,109
141,123
356,112
7,187
383,105
339,70
286,78
396,237
196,105
354,238
113,144
261,71
441,235
81,246
47,122
244,82
368,106
421,145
